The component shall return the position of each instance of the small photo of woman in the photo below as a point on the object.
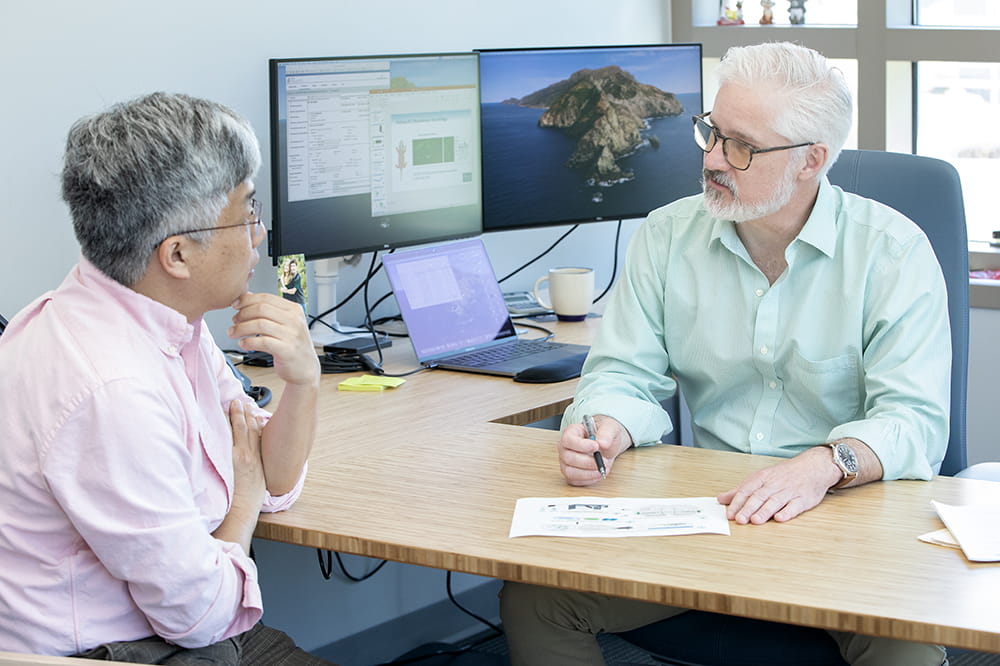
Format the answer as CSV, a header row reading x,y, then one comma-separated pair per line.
x,y
292,279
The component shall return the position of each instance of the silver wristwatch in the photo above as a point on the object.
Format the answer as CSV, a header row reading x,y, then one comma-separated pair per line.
x,y
844,458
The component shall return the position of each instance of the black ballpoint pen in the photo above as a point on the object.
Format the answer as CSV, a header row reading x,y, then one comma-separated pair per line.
x,y
588,423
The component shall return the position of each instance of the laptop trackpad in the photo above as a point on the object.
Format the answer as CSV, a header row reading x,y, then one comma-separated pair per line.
x,y
554,371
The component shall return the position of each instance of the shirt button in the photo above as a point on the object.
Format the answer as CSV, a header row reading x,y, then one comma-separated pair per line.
x,y
773,385
759,292
172,349
760,436
763,349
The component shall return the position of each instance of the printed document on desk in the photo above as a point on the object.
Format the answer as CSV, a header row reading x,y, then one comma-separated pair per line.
x,y
976,528
617,516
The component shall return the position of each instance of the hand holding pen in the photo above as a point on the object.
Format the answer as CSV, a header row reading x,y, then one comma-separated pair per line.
x,y
588,423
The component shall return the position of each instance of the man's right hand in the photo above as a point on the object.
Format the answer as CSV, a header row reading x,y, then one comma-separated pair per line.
x,y
576,450
248,478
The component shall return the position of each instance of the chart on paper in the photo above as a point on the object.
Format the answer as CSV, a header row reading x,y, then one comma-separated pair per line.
x,y
617,516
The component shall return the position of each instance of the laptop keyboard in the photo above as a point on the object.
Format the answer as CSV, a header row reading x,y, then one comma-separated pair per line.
x,y
484,357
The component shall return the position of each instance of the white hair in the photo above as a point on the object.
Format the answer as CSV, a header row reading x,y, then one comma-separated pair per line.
x,y
813,95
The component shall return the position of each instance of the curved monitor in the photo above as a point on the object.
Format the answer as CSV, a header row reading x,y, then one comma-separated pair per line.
x,y
586,134
373,152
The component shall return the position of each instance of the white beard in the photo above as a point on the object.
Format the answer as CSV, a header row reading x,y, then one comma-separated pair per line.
x,y
740,211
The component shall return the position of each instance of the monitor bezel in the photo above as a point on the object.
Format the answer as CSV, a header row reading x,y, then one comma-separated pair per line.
x,y
566,221
278,192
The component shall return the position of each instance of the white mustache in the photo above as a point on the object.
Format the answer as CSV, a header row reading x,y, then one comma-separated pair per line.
x,y
720,178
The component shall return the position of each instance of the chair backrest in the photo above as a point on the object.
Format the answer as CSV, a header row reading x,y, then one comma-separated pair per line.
x,y
929,192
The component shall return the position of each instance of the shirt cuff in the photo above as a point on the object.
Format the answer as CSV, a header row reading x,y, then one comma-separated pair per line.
x,y
645,421
273,503
883,437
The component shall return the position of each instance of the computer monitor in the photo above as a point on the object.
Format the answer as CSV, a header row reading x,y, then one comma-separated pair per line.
x,y
587,134
373,152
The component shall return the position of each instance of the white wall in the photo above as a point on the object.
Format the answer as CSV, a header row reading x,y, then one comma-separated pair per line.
x,y
68,59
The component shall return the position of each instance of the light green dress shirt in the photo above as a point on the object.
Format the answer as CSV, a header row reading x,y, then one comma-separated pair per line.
x,y
852,340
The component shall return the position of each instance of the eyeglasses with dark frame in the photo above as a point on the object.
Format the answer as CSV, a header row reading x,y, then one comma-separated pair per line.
x,y
254,219
739,154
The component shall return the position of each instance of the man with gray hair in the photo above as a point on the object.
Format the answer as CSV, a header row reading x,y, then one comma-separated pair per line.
x,y
784,308
137,463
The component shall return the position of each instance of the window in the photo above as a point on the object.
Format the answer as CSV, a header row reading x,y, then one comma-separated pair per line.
x,y
958,108
969,13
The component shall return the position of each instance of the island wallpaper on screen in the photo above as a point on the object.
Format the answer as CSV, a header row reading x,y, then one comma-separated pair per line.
x,y
584,134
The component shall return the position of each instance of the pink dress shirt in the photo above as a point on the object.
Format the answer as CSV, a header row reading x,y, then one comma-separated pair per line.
x,y
115,468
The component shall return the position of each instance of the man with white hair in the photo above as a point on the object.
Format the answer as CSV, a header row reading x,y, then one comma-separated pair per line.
x,y
133,464
787,311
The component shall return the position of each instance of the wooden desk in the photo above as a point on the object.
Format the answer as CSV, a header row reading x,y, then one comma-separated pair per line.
x,y
428,474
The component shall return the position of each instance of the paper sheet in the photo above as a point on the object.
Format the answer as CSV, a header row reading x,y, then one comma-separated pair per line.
x,y
976,528
617,517
941,537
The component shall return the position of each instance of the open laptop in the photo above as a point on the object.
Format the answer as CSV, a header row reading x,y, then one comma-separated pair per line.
x,y
456,315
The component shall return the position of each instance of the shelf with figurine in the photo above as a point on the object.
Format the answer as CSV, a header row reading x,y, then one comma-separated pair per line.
x,y
732,14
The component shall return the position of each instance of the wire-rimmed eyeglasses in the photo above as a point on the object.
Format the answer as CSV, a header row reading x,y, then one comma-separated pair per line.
x,y
739,154
254,219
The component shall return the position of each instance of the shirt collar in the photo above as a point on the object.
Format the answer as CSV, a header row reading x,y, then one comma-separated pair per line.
x,y
169,328
820,229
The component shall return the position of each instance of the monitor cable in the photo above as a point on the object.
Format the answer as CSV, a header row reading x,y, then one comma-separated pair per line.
x,y
454,649
614,266
550,248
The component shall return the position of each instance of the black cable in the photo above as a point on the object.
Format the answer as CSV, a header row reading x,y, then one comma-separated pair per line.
x,y
466,610
326,568
332,363
551,247
368,314
548,333
614,267
319,316
453,649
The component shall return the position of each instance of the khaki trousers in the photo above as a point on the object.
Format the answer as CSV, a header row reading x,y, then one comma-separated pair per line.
x,y
550,627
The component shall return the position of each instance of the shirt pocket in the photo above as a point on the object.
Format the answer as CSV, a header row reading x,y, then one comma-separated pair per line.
x,y
823,393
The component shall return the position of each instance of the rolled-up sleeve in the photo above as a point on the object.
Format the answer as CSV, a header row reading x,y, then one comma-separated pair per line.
x,y
907,363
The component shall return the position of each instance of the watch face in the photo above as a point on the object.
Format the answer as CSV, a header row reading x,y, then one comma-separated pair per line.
x,y
846,458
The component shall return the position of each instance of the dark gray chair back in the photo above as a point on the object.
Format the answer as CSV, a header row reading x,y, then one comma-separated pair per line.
x,y
929,192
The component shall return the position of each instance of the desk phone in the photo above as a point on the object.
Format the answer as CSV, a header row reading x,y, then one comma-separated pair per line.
x,y
523,303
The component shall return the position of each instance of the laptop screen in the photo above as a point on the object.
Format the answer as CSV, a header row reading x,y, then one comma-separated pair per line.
x,y
449,298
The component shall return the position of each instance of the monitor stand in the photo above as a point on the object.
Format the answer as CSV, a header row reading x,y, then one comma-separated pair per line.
x,y
326,273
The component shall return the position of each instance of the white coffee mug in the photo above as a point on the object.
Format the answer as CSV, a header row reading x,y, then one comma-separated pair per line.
x,y
571,290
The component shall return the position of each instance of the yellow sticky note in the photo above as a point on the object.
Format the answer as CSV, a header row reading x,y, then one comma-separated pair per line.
x,y
369,383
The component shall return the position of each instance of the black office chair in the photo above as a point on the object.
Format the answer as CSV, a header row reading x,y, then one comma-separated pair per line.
x,y
929,192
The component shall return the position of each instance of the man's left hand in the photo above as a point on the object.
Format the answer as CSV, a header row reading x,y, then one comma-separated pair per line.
x,y
269,323
782,491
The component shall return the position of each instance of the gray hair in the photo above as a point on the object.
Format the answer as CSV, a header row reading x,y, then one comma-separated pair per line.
x,y
814,96
150,168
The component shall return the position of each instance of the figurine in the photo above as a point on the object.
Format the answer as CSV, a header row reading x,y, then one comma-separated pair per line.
x,y
767,17
729,16
797,11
